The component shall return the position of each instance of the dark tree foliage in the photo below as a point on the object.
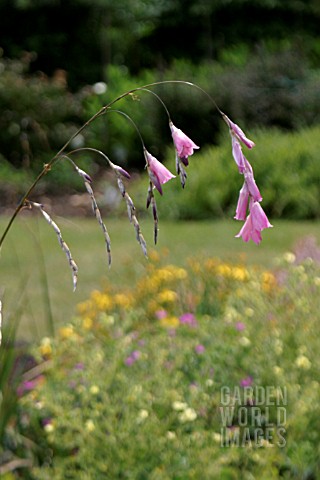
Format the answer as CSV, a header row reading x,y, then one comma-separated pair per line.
x,y
84,36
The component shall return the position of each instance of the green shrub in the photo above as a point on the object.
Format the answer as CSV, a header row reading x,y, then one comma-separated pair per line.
x,y
133,385
38,116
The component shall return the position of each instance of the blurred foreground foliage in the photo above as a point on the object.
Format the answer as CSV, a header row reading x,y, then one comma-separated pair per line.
x,y
131,387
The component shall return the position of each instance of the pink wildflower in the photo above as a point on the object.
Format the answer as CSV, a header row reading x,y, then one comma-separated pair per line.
x,y
246,382
132,358
160,314
236,130
199,349
158,173
188,319
184,145
240,326
256,222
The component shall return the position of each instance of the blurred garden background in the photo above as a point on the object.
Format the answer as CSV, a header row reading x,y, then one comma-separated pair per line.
x,y
123,377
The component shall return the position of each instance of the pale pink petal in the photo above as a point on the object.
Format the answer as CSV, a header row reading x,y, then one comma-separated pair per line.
x,y
158,173
252,186
259,218
246,230
242,205
238,154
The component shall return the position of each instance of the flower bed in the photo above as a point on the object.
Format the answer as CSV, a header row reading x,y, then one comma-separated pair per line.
x,y
207,371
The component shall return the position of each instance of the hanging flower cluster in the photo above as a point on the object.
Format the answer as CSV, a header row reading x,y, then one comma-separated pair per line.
x,y
249,195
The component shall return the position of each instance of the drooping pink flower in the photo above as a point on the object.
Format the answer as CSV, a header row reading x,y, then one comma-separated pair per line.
x,y
259,218
234,128
132,358
246,382
240,326
252,186
158,173
199,349
256,222
188,318
247,232
241,212
160,314
183,144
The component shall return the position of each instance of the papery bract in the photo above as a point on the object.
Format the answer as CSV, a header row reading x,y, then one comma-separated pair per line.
x,y
184,145
158,173
121,170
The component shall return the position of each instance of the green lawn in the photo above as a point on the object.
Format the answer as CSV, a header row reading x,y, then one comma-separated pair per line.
x,y
23,281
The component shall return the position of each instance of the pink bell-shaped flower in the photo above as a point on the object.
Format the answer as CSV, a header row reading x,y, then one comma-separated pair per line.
x,y
183,144
158,173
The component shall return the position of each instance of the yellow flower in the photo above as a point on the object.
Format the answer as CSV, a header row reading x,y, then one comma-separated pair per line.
x,y
45,347
187,415
303,362
244,341
49,428
277,370
169,322
167,296
94,389
224,270
240,273
66,332
90,426
179,406
102,301
142,415
87,323
289,257
123,300
268,282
